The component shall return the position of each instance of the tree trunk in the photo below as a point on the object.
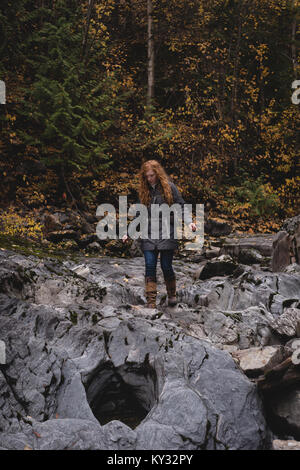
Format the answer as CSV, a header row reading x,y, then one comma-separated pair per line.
x,y
294,29
150,40
236,64
87,27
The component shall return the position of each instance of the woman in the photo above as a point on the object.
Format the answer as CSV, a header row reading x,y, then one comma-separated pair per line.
x,y
156,188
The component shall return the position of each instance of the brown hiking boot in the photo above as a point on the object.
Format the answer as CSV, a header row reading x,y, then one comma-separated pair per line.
x,y
171,291
151,292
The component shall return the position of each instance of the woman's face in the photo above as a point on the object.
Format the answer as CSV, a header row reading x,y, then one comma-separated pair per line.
x,y
151,177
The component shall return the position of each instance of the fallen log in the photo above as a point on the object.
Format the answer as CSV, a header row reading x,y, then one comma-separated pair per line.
x,y
280,376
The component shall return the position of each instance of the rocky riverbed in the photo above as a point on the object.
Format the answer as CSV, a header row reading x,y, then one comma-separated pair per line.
x,y
87,366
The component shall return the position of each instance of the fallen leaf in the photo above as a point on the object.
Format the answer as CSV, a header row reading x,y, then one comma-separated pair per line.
x,y
36,434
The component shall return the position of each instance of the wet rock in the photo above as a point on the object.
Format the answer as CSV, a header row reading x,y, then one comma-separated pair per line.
x,y
286,245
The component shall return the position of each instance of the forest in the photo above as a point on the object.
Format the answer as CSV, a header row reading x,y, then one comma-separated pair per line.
x,y
141,340
94,88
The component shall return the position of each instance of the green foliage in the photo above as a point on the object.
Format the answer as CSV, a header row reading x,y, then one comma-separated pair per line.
x,y
77,94
67,110
260,197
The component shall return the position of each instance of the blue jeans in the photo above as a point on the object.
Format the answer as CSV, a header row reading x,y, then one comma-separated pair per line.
x,y
166,257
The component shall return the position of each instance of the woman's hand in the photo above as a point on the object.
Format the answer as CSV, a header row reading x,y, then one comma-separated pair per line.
x,y
193,226
124,238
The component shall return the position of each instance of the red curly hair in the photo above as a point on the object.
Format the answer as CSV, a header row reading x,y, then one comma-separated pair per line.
x,y
144,193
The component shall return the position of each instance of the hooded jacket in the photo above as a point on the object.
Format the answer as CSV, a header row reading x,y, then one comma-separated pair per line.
x,y
157,197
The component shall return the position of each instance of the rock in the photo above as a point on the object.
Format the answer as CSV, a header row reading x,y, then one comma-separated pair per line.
x,y
54,434
212,253
293,268
218,267
262,243
220,328
120,436
73,382
286,245
293,344
291,225
285,412
81,270
215,228
282,249
198,271
135,249
246,288
255,361
249,256
94,247
51,223
287,324
84,240
2,352
279,444
69,216
81,347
